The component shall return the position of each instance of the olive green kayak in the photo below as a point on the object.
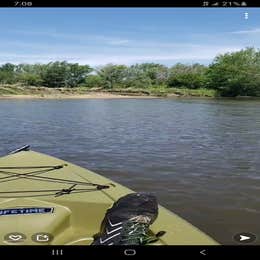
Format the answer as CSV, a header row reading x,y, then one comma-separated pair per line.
x,y
45,200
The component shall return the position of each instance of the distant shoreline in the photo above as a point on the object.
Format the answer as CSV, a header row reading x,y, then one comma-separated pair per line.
x,y
100,95
17,91
108,95
13,91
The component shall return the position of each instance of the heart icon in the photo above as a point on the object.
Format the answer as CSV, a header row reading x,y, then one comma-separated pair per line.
x,y
15,237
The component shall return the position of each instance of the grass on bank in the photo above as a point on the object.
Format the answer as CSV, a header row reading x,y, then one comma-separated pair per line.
x,y
160,91
163,91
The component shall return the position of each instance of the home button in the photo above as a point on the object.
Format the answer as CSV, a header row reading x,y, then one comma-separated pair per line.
x,y
129,252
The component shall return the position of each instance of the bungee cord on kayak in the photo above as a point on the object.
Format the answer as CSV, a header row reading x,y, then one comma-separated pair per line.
x,y
33,175
18,175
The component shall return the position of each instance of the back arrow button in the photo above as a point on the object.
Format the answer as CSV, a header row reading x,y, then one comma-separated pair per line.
x,y
203,252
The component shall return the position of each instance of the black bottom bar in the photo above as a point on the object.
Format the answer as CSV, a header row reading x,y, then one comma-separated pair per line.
x,y
87,252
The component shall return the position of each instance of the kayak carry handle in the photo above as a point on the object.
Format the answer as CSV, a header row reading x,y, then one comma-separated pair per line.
x,y
23,148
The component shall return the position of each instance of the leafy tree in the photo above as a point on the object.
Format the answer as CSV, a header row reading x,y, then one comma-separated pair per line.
x,y
55,74
8,67
136,77
30,79
7,74
29,74
188,76
236,73
157,73
76,74
93,81
112,75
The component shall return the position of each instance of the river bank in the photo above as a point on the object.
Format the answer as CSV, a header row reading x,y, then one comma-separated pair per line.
x,y
31,92
72,96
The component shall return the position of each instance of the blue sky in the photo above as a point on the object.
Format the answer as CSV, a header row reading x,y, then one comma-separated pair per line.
x,y
98,36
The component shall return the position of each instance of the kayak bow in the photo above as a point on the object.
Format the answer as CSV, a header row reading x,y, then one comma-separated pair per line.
x,y
44,194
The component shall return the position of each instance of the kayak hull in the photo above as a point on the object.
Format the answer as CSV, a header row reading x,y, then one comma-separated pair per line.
x,y
70,219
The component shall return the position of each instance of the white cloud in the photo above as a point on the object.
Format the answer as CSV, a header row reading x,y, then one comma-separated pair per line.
x,y
250,31
101,49
184,54
75,37
118,42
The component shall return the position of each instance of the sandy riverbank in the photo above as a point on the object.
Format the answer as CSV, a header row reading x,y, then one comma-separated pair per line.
x,y
101,95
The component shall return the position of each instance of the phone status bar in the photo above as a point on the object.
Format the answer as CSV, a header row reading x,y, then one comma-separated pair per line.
x,y
224,4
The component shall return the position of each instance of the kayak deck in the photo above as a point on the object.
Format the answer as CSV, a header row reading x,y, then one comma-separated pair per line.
x,y
77,210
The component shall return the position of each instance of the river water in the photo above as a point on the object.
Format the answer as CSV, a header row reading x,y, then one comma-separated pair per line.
x,y
200,157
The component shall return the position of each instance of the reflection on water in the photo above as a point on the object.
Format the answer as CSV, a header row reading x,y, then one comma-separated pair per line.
x,y
200,157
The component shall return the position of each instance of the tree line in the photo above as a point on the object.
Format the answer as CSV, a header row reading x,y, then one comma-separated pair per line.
x,y
231,74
